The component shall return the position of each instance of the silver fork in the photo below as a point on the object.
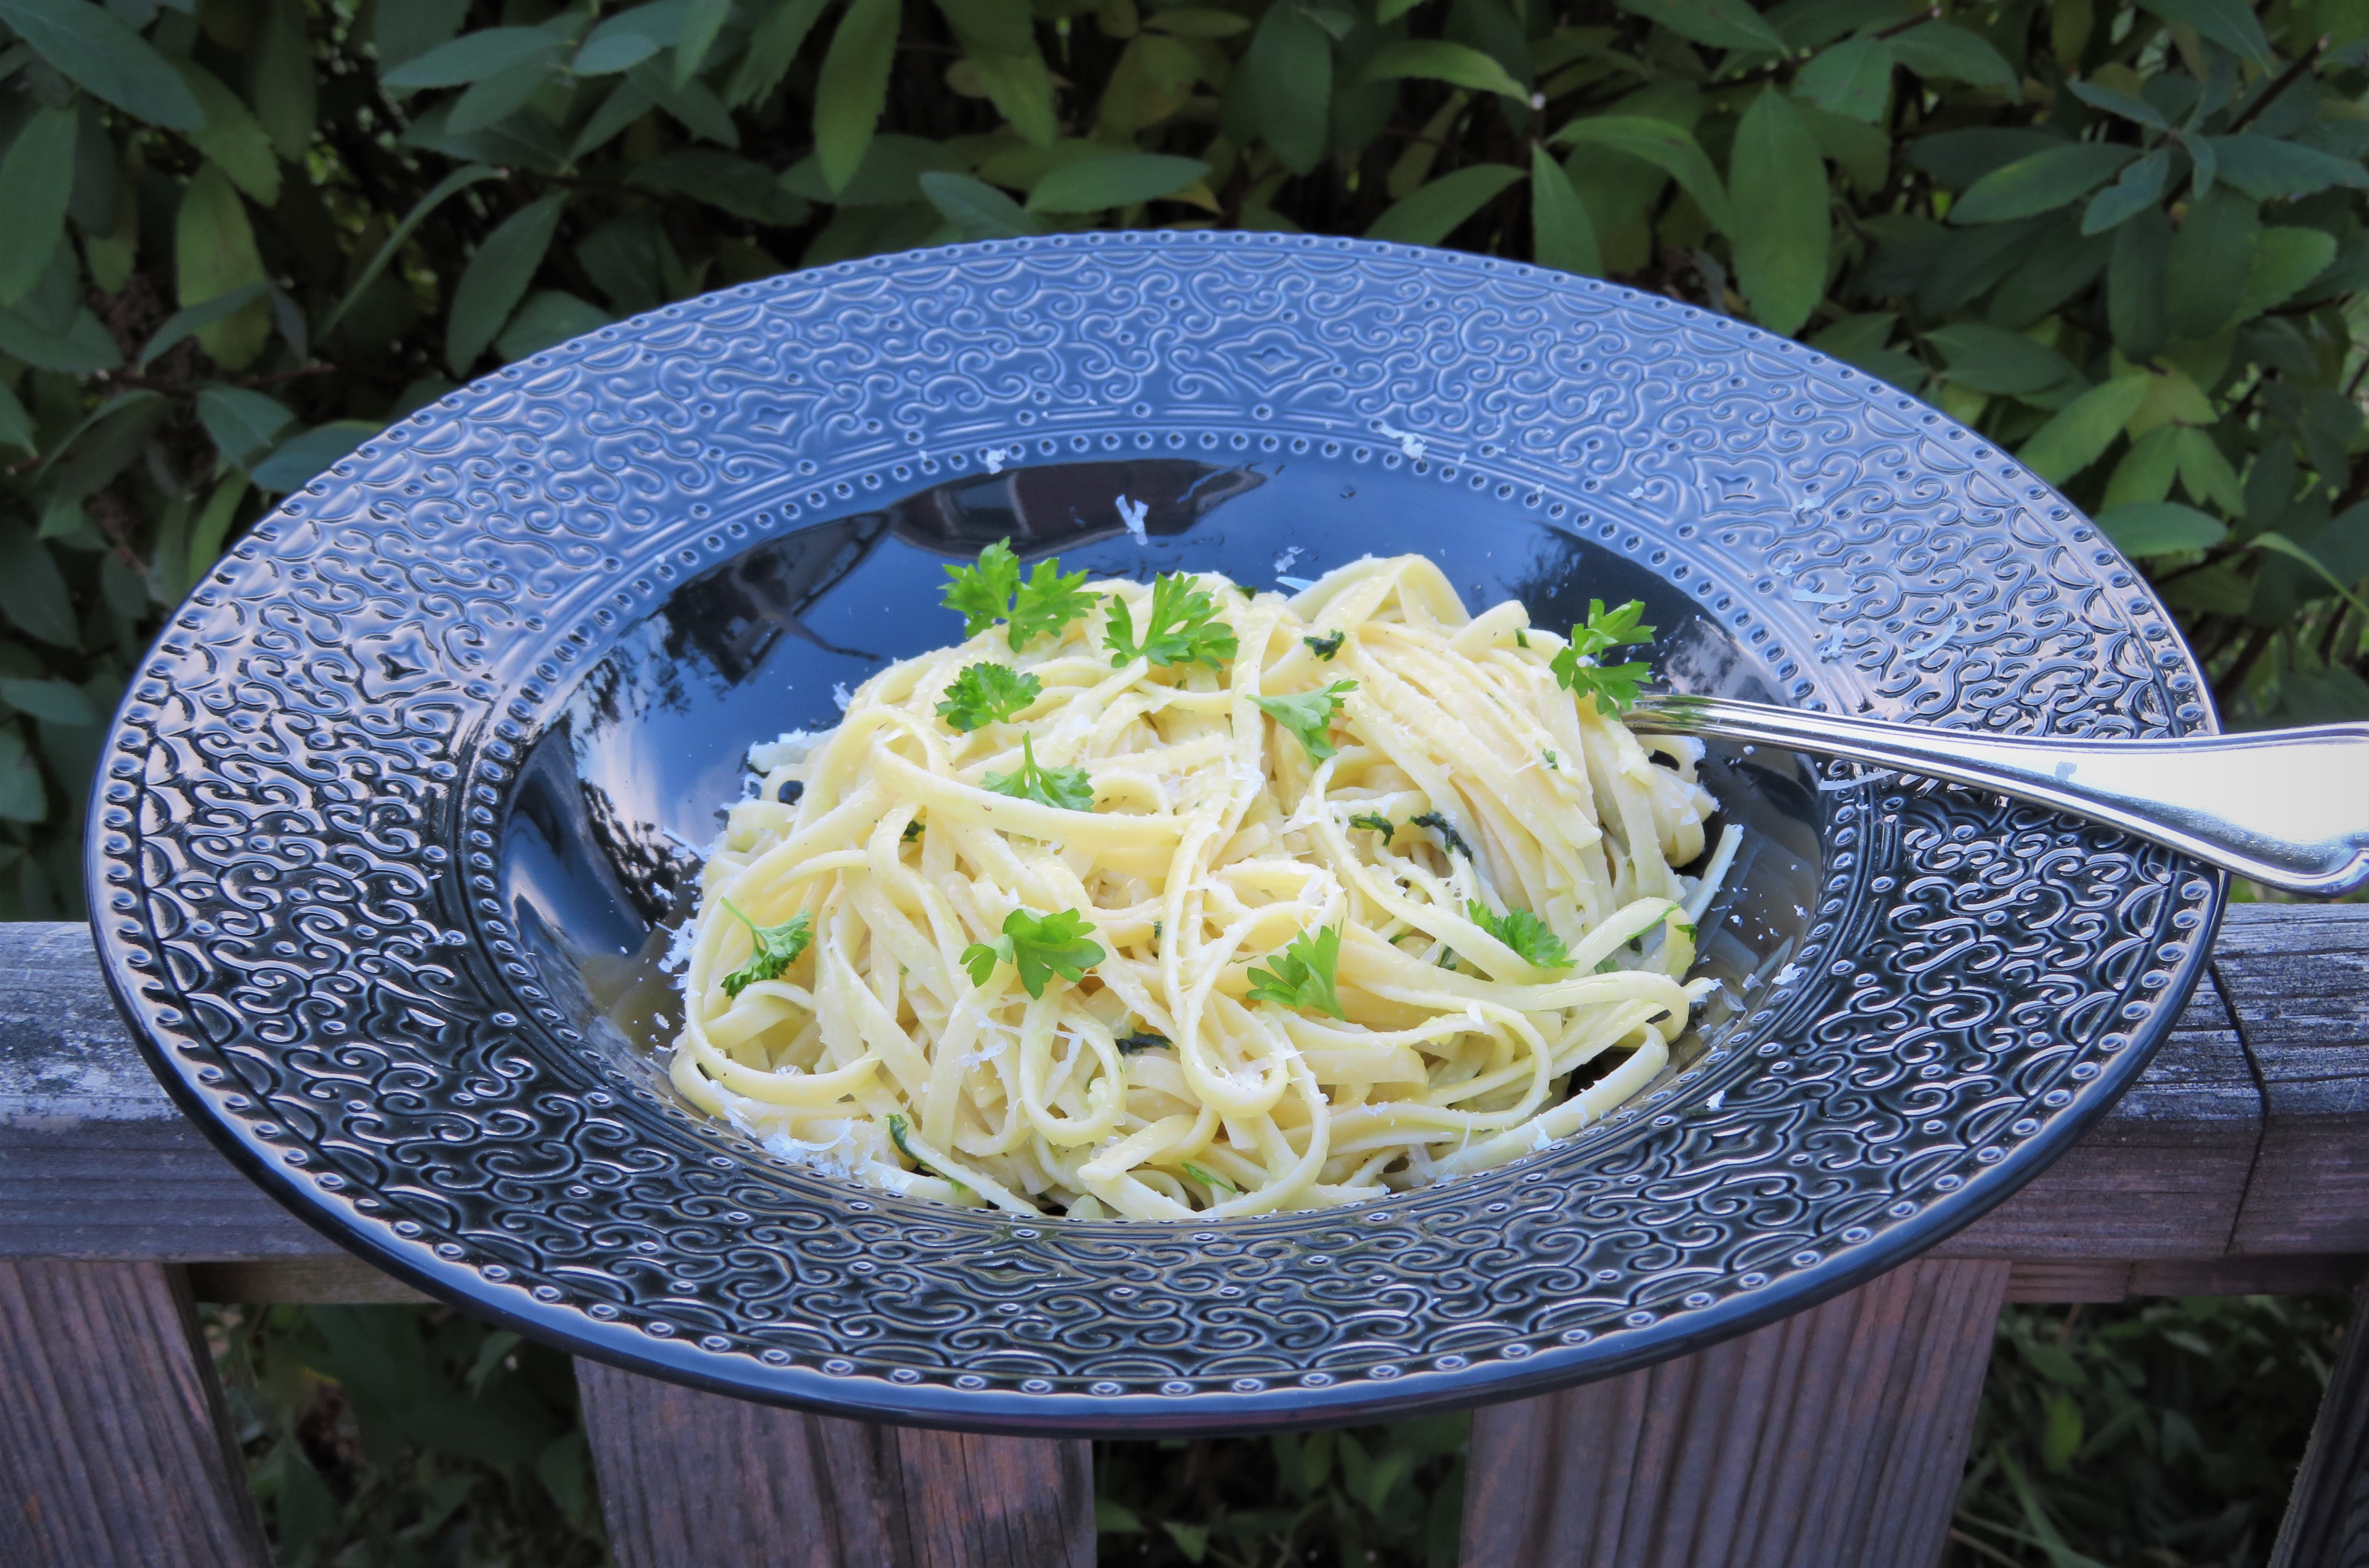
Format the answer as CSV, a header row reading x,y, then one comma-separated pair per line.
x,y
2289,807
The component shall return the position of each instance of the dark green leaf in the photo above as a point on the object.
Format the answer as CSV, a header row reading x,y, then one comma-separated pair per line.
x,y
2156,528
58,702
32,590
2285,261
36,182
405,31
1959,158
2139,188
2136,282
1938,50
1436,210
215,253
23,795
459,179
2229,23
2079,434
182,323
2265,169
2122,104
771,47
232,137
241,422
497,98
283,80
1670,148
549,316
992,27
1776,186
496,279
890,175
1118,179
693,104
472,57
1290,77
1851,78
298,459
1722,24
83,348
2211,256
16,425
1433,60
853,87
87,45
2041,182
741,188
700,25
976,209
1988,359
1561,235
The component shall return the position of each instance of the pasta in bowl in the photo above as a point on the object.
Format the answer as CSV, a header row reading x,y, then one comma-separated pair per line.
x,y
1181,898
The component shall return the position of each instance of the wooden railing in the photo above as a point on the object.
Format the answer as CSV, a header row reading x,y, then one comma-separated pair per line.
x,y
2239,1163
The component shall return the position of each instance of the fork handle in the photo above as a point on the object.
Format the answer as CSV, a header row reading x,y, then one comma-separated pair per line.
x,y
2289,807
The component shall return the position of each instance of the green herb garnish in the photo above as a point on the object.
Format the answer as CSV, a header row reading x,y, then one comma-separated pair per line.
x,y
1147,1041
1069,789
1523,933
1209,1179
993,591
1037,947
776,948
988,694
912,830
1181,627
1448,837
1325,647
1309,714
1613,685
1302,975
897,1137
1375,820
1552,762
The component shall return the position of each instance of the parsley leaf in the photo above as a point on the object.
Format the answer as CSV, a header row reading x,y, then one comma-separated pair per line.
x,y
1208,1178
1614,685
1069,789
988,694
1375,820
1325,647
912,830
1037,947
1448,837
1145,1041
1181,627
980,593
1302,975
1047,602
897,1137
1523,933
993,591
776,948
1309,714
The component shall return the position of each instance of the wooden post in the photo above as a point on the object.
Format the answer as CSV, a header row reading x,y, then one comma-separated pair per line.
x,y
2328,1518
689,1480
1833,1439
114,1444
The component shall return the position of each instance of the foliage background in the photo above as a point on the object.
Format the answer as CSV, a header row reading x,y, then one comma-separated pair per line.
x,y
2125,241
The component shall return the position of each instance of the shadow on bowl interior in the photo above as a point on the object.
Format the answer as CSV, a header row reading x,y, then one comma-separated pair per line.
x,y
600,848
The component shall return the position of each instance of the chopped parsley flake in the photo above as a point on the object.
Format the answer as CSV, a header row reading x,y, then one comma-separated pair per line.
x,y
1069,789
1375,820
988,694
1552,762
1302,975
1448,837
1209,1179
912,830
1038,947
1181,627
1145,1041
897,1137
1523,933
1309,716
776,948
1325,647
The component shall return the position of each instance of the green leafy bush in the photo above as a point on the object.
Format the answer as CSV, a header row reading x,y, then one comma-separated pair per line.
x,y
2126,242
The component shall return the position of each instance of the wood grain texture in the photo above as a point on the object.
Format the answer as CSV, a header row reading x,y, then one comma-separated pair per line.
x,y
690,1479
1833,1439
114,1446
2326,1523
342,1280
2298,985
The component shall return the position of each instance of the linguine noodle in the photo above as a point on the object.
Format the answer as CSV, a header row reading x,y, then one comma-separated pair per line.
x,y
1220,848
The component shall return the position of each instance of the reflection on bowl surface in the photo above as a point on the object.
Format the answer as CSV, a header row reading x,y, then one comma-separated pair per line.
x,y
600,848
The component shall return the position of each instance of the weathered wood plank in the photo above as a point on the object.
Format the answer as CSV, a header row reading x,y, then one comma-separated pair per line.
x,y
114,1446
2298,984
1833,1439
691,1479
342,1280
2326,1523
